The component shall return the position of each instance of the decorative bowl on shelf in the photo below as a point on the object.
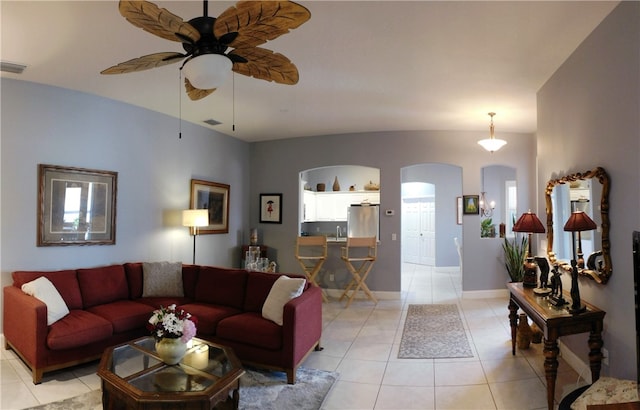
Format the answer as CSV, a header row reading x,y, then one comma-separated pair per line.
x,y
371,186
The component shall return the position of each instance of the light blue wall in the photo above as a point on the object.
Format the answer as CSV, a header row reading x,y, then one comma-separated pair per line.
x,y
42,124
447,180
275,166
588,116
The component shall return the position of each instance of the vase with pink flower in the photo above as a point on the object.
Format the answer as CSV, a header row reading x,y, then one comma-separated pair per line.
x,y
172,328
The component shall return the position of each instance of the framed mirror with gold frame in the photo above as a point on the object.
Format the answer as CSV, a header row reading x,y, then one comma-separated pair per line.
x,y
587,191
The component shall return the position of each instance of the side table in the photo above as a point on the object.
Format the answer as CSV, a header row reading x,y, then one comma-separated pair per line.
x,y
554,323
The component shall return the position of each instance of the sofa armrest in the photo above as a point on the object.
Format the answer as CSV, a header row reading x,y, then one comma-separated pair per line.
x,y
302,325
25,324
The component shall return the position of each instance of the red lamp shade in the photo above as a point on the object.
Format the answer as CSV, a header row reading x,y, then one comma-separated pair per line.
x,y
578,222
529,223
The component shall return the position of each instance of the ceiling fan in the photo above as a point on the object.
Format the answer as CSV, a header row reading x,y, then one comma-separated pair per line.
x,y
206,41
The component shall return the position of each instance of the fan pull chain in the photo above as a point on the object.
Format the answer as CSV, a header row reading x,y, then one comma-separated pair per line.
x,y
233,103
180,104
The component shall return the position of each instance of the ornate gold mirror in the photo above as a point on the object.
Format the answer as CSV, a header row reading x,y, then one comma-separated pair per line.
x,y
588,192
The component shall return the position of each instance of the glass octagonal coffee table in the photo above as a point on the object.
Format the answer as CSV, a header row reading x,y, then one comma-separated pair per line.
x,y
134,377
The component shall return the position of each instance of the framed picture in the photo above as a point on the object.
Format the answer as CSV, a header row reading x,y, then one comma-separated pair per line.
x,y
471,204
76,206
271,208
459,210
214,197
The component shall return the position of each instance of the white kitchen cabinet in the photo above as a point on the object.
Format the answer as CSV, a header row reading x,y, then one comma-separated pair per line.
x,y
309,210
332,206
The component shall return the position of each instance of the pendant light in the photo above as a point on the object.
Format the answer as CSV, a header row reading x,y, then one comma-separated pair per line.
x,y
492,144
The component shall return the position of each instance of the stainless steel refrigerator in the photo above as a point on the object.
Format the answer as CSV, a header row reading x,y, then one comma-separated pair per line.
x,y
363,221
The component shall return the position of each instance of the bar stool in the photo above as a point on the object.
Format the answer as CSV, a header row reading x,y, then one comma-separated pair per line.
x,y
311,252
359,255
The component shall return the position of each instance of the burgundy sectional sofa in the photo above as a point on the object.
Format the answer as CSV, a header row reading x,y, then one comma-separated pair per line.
x,y
106,307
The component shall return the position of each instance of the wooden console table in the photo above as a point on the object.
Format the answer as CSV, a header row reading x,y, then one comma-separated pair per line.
x,y
555,322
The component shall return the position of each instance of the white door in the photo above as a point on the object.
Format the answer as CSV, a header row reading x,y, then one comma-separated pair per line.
x,y
410,231
428,232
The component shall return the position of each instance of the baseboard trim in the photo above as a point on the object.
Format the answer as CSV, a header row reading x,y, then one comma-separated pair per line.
x,y
380,295
581,367
485,294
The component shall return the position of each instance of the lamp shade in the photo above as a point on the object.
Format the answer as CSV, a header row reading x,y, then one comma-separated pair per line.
x,y
492,144
195,217
578,222
529,223
207,71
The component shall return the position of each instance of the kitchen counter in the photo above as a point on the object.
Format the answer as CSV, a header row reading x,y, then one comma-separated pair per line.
x,y
336,240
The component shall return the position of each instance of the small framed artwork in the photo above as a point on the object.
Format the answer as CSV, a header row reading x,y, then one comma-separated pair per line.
x,y
459,210
76,206
214,197
271,208
471,204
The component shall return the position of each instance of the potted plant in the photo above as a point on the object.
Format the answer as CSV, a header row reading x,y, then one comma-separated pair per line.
x,y
487,228
514,254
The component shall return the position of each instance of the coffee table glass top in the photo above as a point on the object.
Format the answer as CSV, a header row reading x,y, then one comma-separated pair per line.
x,y
138,363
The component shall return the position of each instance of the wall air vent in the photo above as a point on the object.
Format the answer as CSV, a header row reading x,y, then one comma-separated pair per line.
x,y
12,67
212,122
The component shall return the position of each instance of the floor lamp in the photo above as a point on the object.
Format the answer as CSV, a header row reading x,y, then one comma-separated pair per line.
x,y
577,222
195,218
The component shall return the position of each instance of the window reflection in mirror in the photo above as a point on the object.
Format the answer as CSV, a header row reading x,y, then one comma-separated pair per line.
x,y
500,193
79,200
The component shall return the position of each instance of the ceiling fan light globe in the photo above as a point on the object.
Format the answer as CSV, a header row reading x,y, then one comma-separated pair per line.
x,y
492,144
207,71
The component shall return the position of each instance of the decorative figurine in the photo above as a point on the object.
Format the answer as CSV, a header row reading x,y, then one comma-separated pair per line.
x,y
542,263
556,297
576,304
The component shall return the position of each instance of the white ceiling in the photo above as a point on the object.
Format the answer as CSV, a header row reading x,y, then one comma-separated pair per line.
x,y
364,65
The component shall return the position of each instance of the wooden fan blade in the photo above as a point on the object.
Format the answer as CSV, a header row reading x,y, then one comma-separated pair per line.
x,y
196,94
155,20
257,22
144,63
266,65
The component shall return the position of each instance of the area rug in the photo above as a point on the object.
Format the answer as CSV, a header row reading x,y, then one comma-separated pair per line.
x,y
433,332
259,389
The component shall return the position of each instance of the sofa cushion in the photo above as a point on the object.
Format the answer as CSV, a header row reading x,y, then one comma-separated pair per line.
x,y
124,315
190,280
103,285
133,271
221,286
162,279
66,281
252,329
283,290
208,316
164,301
258,287
77,329
43,289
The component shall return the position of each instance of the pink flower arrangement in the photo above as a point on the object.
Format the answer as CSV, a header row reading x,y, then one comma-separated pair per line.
x,y
172,323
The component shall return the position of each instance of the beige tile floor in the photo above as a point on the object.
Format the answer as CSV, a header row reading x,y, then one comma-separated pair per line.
x,y
361,343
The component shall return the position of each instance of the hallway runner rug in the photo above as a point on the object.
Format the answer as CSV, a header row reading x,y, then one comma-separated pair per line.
x,y
259,390
433,332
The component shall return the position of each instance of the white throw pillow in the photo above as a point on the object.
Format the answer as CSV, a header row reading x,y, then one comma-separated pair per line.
x,y
162,279
283,290
43,289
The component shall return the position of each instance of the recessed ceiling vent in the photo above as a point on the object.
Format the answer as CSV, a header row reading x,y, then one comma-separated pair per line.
x,y
212,122
12,67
